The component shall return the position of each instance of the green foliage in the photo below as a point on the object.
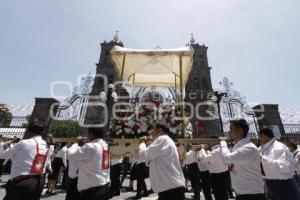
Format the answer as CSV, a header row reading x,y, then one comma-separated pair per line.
x,y
5,116
65,128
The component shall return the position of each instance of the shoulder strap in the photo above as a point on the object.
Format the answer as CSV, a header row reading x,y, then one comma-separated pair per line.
x,y
37,146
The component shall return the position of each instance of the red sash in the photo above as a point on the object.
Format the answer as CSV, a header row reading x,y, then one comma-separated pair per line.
x,y
105,158
39,161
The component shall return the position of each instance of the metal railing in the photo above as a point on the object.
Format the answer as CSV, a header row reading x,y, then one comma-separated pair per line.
x,y
292,129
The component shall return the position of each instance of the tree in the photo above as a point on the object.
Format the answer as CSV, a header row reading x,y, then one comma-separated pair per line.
x,y
5,116
65,128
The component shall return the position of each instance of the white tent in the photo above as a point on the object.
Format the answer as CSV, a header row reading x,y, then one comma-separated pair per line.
x,y
153,68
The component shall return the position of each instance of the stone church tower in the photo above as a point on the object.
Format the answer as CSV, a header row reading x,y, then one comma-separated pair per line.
x,y
199,90
105,67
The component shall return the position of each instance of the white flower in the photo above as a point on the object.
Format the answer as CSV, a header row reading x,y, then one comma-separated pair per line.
x,y
143,119
131,123
102,96
127,130
114,95
111,86
119,132
173,130
189,126
144,128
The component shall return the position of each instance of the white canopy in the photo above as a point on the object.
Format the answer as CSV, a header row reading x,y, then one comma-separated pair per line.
x,y
153,68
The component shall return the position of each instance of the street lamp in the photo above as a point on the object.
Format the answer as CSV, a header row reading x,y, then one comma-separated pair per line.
x,y
218,98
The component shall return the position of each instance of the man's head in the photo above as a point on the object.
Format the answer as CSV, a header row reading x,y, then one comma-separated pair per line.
x,y
159,129
49,136
35,128
238,129
94,133
265,135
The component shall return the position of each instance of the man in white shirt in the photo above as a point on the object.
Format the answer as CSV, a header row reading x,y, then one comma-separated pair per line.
x,y
115,173
193,172
204,176
72,192
277,167
59,161
166,174
218,171
141,169
296,154
1,160
94,161
29,159
244,162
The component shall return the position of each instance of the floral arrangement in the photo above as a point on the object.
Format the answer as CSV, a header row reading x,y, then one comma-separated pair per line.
x,y
140,119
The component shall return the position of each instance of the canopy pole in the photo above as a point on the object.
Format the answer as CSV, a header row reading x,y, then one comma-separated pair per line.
x,y
181,97
133,98
175,87
123,65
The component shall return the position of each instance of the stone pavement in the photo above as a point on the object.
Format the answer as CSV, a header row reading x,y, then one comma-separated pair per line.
x,y
124,194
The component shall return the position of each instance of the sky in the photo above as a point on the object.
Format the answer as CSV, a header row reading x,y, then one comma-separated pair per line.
x,y
255,43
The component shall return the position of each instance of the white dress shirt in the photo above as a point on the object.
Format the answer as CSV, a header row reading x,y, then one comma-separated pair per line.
x,y
202,164
164,165
23,154
115,161
62,153
277,161
50,154
73,164
139,158
246,175
214,159
90,160
190,158
2,146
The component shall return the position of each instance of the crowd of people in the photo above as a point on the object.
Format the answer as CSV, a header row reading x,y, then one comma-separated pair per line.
x,y
241,170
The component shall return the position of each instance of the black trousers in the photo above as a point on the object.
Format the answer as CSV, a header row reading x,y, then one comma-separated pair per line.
x,y
115,172
1,166
194,175
99,193
141,175
282,189
72,191
172,194
29,189
219,183
206,184
251,197
125,169
229,185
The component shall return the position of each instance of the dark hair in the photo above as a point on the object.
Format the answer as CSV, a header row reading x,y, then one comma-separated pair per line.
x,y
97,132
163,127
267,132
241,123
17,140
36,128
293,145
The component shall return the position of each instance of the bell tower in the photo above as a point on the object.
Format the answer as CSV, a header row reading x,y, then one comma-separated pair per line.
x,y
199,89
94,113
